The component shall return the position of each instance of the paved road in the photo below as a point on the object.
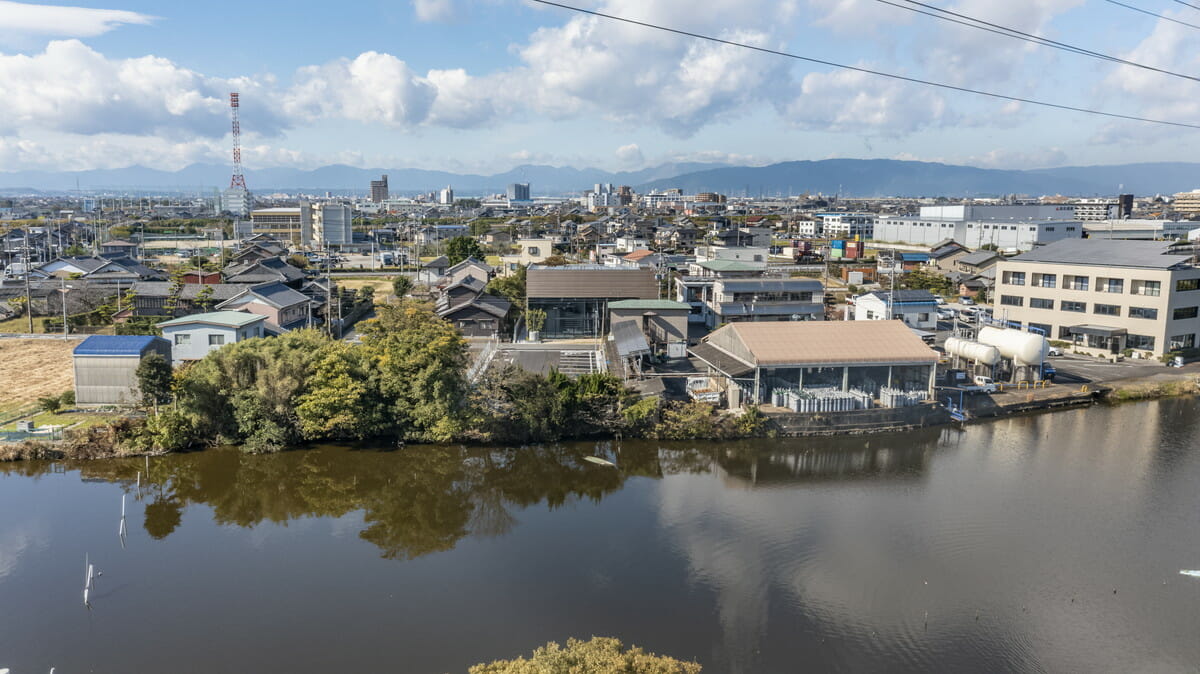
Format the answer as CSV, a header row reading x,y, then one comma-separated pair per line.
x,y
1074,369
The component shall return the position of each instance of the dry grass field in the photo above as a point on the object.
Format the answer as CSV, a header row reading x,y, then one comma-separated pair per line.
x,y
33,368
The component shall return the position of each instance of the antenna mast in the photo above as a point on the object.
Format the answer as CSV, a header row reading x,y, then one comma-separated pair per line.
x,y
238,180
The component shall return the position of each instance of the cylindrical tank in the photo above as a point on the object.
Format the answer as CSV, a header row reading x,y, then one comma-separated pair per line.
x,y
980,353
1024,348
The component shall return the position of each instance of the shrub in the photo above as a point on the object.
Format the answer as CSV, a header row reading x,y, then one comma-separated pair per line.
x,y
49,404
67,399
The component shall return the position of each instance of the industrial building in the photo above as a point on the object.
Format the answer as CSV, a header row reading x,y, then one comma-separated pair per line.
x,y
1010,227
106,367
855,362
1104,296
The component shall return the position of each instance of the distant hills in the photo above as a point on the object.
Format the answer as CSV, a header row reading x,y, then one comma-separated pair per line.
x,y
888,177
849,177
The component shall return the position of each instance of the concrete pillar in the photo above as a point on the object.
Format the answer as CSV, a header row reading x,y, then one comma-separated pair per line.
x,y
932,378
846,378
889,376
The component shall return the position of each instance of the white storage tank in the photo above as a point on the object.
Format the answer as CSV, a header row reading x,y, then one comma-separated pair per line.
x,y
974,351
1024,348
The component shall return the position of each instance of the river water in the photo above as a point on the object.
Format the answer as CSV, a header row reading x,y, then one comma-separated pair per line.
x,y
1041,543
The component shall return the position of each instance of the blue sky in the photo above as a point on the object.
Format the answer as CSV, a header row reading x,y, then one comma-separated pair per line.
x,y
484,85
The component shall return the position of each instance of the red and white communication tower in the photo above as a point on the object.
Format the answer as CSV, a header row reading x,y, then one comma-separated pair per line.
x,y
238,180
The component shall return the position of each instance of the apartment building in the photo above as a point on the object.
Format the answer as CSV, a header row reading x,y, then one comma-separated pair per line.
x,y
1104,296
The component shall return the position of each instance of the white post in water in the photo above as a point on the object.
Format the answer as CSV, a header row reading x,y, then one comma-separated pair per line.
x,y
121,530
87,584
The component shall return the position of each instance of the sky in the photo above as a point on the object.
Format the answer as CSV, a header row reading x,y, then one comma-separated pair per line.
x,y
485,85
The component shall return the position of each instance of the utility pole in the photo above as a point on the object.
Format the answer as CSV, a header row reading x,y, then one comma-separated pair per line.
x,y
28,297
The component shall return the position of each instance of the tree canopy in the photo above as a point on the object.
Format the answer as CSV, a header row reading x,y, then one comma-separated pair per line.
x,y
462,247
600,655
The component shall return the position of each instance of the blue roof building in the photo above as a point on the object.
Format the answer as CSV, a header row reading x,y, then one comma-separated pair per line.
x,y
106,367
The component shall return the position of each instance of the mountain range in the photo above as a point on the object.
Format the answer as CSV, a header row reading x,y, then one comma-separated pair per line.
x,y
848,177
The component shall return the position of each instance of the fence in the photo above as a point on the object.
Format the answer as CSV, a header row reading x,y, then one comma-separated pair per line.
x,y
53,435
483,360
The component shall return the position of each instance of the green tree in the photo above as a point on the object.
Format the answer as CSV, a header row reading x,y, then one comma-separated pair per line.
x,y
67,399
298,261
204,298
555,260
49,404
511,287
154,380
401,285
600,655
74,250
535,319
462,247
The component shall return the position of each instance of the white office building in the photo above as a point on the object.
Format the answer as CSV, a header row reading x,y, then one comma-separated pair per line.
x,y
848,225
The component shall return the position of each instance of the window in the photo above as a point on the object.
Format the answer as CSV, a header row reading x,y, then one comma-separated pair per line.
x,y
1045,280
1065,333
1144,342
216,340
183,339
1185,312
1040,328
534,250
1040,303
1186,284
1183,342
1143,312
1075,282
1014,278
1074,306
1106,309
1012,300
1049,229
1147,288
1110,285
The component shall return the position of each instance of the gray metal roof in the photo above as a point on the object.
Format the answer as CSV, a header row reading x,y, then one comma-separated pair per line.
x,y
1106,253
978,257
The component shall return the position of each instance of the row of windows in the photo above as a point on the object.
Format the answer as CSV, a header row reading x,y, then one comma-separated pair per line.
x,y
1100,309
213,340
1103,285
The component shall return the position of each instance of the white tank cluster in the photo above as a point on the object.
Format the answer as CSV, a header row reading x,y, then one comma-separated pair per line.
x,y
973,351
1023,348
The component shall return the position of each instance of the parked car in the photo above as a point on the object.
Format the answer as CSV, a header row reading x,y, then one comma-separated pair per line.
x,y
981,384
1054,351
1048,372
939,299
946,314
966,301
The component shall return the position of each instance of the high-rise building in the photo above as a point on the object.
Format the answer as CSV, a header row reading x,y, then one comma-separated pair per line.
x,y
446,196
237,200
1186,202
518,192
625,192
379,189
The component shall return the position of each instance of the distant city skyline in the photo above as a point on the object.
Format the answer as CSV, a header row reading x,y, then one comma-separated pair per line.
x,y
485,86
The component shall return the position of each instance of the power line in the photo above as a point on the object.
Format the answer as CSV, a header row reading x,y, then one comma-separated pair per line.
x,y
868,71
1188,4
1027,37
1149,13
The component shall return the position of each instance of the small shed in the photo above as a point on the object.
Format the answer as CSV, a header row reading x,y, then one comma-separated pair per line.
x,y
106,367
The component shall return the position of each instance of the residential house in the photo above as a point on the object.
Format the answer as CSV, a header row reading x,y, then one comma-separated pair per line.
x,y
284,307
194,337
917,308
101,270
469,267
663,322
528,251
576,297
978,262
119,247
263,271
431,271
764,299
154,298
472,310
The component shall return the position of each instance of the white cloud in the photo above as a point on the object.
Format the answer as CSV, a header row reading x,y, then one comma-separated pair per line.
x,y
845,100
372,88
435,10
630,155
19,19
70,87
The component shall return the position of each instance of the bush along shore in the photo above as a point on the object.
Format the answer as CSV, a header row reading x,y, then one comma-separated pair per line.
x,y
405,382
